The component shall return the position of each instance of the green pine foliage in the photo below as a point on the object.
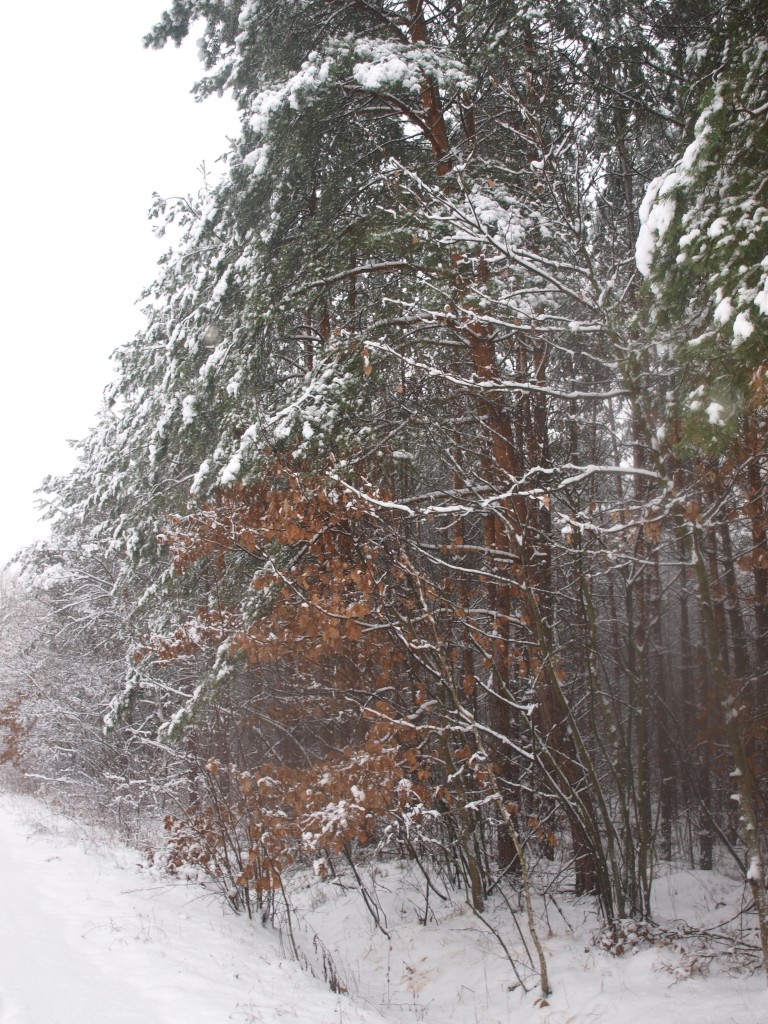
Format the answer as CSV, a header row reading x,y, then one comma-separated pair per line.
x,y
704,243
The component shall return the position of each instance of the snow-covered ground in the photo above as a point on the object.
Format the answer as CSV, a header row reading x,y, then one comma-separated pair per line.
x,y
90,936
454,971
86,937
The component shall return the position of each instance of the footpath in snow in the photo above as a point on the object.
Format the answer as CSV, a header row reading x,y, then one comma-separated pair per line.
x,y
86,937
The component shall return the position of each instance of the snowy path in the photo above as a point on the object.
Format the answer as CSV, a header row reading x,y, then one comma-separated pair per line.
x,y
87,938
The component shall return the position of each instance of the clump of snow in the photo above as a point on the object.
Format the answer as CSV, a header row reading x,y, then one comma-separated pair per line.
x,y
715,414
717,227
188,410
387,70
656,214
221,286
231,471
742,328
312,75
755,871
202,473
257,160
723,310
382,64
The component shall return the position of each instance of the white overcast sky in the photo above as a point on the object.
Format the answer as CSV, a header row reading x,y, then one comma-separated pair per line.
x,y
92,124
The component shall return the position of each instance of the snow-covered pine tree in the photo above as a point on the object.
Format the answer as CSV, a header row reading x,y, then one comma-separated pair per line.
x,y
703,246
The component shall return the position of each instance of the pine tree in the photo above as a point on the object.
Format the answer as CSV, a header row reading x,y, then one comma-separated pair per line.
x,y
702,246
